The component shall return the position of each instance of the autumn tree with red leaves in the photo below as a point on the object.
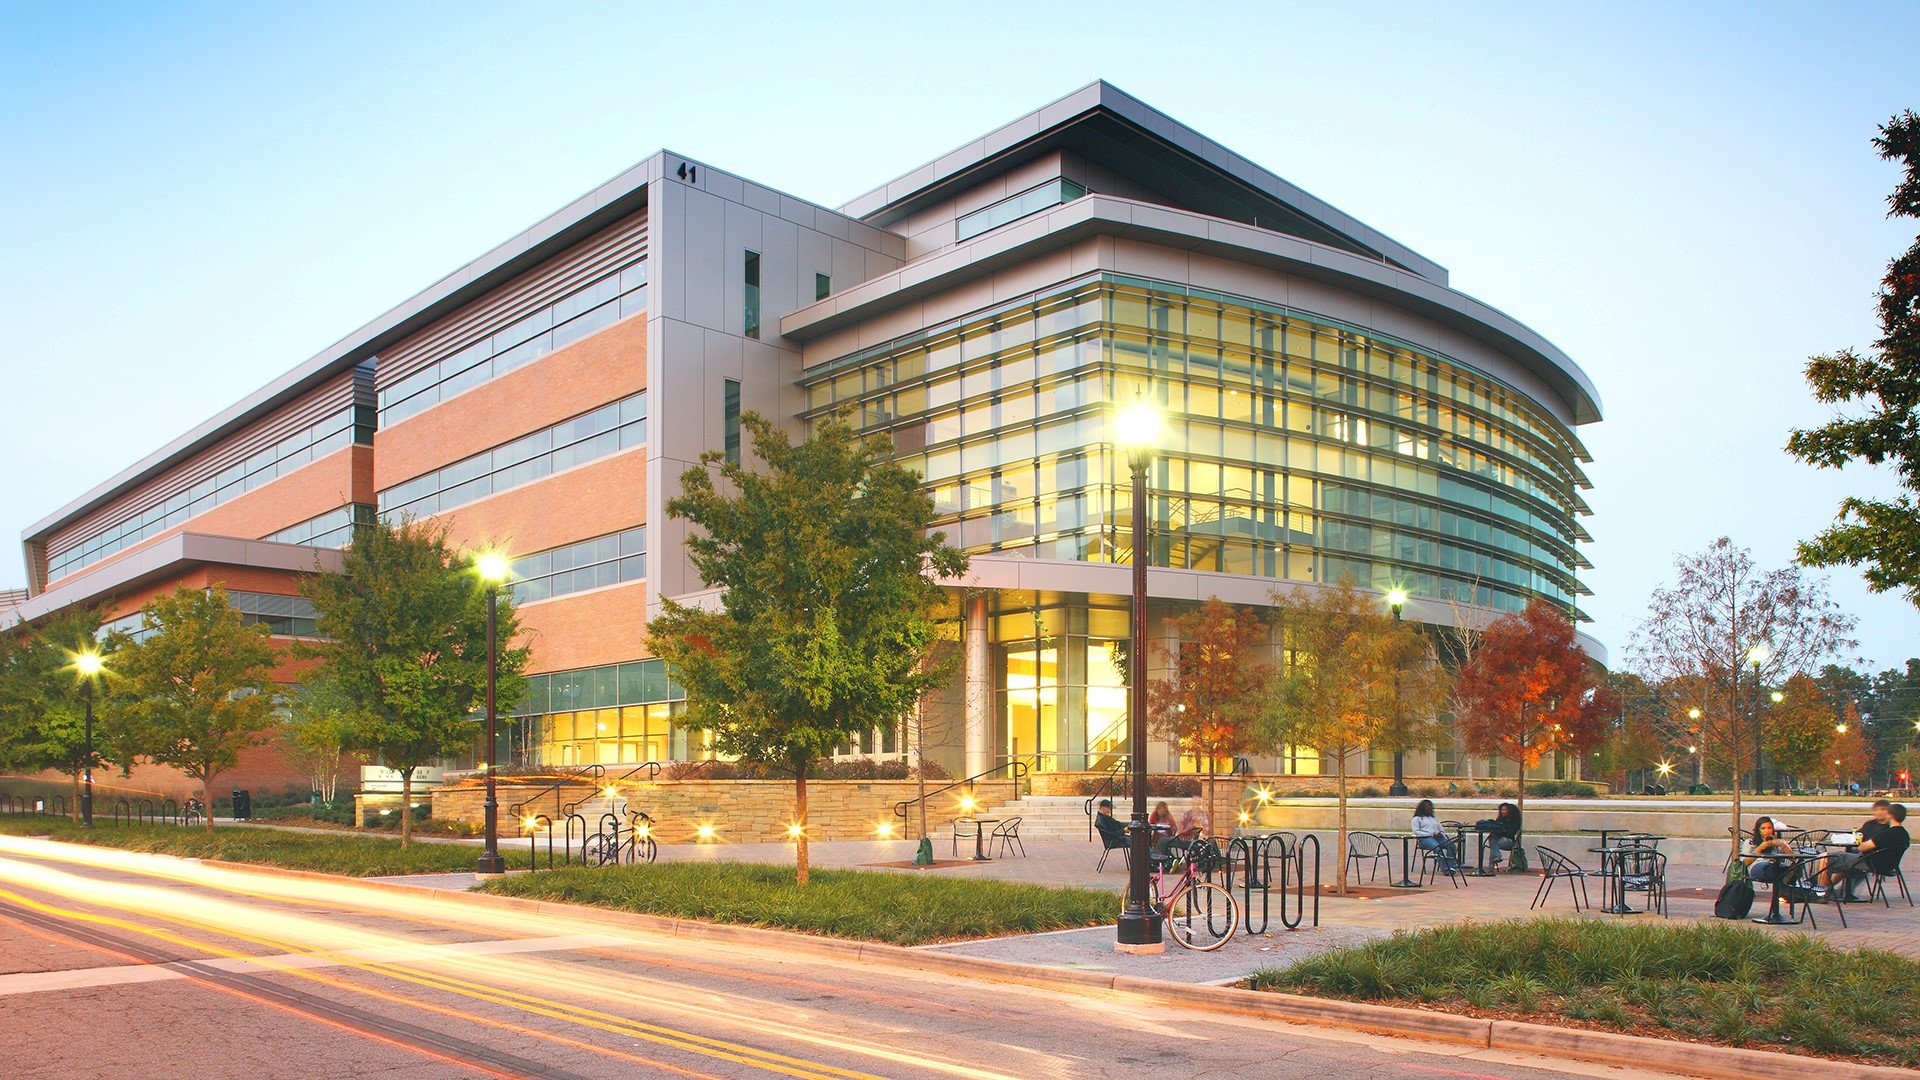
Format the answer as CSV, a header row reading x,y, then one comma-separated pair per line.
x,y
1209,705
1531,690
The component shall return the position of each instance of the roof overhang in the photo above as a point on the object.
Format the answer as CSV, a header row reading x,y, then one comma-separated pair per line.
x,y
1117,131
168,558
1098,215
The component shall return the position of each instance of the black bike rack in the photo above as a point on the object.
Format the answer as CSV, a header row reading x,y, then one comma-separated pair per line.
x,y
122,813
144,812
533,842
170,811
636,837
571,818
609,839
1298,864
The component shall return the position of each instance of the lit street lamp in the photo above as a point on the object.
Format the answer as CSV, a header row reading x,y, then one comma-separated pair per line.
x,y
1137,428
1757,656
88,665
1397,599
492,568
1693,714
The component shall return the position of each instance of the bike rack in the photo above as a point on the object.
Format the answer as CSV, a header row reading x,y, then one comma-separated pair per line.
x,y
170,811
571,818
122,813
144,813
637,833
56,804
533,841
1298,861
609,839
12,804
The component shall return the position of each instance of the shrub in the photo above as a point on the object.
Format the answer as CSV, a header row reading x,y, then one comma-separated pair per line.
x,y
1368,792
1561,788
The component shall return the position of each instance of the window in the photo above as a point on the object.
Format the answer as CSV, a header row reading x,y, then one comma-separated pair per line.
x,y
1031,201
591,307
589,564
752,272
605,430
730,420
333,529
822,286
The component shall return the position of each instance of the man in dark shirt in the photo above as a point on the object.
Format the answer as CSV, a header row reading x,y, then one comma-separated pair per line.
x,y
1882,817
1880,855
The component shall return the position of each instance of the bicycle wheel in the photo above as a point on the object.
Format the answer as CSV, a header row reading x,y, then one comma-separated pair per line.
x,y
1204,917
648,849
594,852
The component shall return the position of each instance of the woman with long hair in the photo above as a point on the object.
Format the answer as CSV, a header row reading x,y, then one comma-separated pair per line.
x,y
1432,836
1505,833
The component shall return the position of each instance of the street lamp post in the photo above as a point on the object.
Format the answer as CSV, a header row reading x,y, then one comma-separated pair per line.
x,y
492,567
1756,656
1397,599
1693,714
1139,929
1777,697
88,664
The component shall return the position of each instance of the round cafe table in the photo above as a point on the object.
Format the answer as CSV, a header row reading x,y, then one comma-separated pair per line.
x,y
1773,916
1406,859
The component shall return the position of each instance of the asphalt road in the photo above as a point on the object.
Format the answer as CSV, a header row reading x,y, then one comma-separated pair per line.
x,y
118,965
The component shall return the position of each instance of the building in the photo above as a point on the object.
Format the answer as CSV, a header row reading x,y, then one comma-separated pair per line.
x,y
1337,409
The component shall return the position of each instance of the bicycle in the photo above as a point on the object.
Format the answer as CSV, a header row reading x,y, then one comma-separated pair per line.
x,y
1198,914
640,842
193,812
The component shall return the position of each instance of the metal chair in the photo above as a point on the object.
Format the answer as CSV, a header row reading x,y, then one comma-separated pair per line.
x,y
964,827
1112,839
1005,837
1557,867
1366,847
1431,858
1642,869
1877,884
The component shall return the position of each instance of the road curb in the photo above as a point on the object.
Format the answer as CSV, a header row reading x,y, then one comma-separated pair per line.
x,y
1699,1059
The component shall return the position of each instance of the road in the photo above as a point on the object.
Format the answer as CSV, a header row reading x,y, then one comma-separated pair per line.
x,y
119,965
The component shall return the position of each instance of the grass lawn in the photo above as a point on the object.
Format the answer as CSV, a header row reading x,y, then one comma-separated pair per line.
x,y
897,908
352,856
1726,984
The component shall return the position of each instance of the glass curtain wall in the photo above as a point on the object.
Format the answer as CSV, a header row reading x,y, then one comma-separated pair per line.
x,y
1294,447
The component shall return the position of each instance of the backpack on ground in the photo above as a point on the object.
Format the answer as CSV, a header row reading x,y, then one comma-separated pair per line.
x,y
1735,899
1518,863
923,855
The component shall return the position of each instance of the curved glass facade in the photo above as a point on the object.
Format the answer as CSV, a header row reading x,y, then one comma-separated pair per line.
x,y
1294,447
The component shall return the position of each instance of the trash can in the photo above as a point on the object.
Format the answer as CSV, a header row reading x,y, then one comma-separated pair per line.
x,y
242,804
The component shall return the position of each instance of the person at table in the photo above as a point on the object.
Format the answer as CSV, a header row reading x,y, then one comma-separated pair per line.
x,y
1432,836
1161,822
1880,855
1882,817
1111,829
1193,825
1755,851
1505,832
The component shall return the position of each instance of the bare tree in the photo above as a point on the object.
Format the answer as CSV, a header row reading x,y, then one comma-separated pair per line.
x,y
1724,630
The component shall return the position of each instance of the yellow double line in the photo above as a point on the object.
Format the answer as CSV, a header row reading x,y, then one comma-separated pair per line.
x,y
609,1022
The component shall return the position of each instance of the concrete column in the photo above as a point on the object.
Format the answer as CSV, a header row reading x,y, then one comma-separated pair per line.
x,y
978,667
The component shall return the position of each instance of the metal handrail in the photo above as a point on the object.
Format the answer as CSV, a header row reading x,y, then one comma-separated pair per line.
x,y
1106,785
596,772
1016,769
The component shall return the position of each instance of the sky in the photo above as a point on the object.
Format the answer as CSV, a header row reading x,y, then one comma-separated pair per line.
x,y
195,198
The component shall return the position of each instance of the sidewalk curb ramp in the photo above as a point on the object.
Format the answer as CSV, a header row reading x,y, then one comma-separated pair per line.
x,y
1697,1059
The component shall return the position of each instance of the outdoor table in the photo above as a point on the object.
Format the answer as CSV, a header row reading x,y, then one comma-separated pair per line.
x,y
1406,855
1847,882
1479,853
979,835
1616,878
1773,916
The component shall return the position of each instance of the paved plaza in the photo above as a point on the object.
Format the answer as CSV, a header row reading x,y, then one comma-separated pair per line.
x,y
1344,921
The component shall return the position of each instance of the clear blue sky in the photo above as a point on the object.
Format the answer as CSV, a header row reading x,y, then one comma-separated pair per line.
x,y
193,200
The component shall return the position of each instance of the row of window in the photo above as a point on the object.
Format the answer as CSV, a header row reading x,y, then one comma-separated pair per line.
x,y
606,430
593,306
333,529
589,564
1014,207
287,616
640,682
353,424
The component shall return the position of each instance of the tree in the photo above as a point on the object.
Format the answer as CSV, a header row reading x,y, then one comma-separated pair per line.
x,y
828,606
42,713
1890,707
1698,643
404,625
1209,706
1799,728
1531,691
1636,735
1881,535
194,692
317,736
1348,670
1848,754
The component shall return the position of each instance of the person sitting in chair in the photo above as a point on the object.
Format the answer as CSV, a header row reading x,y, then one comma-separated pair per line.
x,y
1880,855
1505,832
1754,851
1432,836
1110,828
